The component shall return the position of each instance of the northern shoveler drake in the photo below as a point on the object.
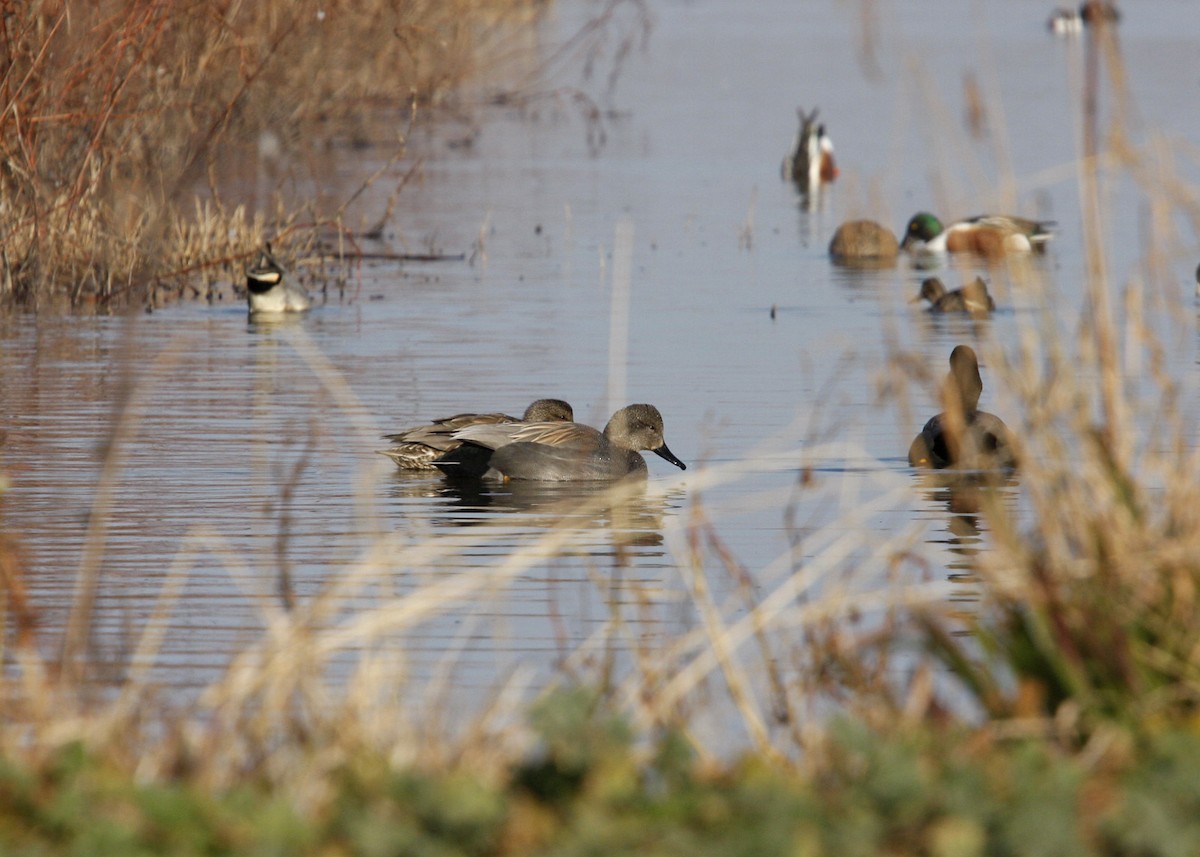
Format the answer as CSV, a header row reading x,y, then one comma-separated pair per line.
x,y
811,160
962,435
972,298
561,452
417,448
988,235
266,290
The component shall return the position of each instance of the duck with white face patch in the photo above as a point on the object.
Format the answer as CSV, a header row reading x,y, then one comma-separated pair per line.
x,y
267,290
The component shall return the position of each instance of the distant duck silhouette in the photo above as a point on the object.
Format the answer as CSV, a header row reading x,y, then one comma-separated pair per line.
x,y
561,452
1091,13
962,435
268,292
1064,21
863,244
417,448
973,298
988,235
1096,12
811,160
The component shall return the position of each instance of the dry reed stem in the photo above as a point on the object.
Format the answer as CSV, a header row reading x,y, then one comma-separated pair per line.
x,y
718,640
788,605
618,326
129,415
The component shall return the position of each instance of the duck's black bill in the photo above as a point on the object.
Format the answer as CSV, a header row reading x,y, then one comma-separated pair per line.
x,y
664,452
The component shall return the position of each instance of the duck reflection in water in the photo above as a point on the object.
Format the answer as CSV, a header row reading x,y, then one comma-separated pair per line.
x,y
622,514
970,500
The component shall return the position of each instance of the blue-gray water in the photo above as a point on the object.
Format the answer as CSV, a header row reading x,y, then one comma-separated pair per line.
x,y
259,440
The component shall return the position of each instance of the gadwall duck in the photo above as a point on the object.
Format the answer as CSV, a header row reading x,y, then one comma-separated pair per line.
x,y
561,452
268,292
962,435
811,160
972,298
988,235
416,448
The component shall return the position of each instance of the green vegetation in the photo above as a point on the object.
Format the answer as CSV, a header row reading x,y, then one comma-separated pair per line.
x,y
942,791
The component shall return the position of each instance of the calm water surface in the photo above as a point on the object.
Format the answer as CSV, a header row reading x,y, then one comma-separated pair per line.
x,y
254,443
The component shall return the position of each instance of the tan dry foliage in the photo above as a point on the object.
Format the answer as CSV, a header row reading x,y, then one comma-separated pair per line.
x,y
113,113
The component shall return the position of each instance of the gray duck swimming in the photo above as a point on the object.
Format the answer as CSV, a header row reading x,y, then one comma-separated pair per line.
x,y
561,452
417,448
